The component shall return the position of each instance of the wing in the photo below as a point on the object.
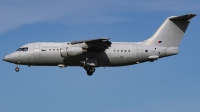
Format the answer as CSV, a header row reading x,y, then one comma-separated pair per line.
x,y
99,43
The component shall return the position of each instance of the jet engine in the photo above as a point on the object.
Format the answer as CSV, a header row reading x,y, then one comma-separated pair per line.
x,y
72,51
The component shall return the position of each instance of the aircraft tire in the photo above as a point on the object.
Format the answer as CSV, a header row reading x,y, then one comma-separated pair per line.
x,y
89,73
86,68
17,69
91,69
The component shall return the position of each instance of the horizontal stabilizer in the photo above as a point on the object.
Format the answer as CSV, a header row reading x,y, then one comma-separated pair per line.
x,y
183,17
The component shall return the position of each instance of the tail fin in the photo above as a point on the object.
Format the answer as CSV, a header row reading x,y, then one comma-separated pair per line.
x,y
171,31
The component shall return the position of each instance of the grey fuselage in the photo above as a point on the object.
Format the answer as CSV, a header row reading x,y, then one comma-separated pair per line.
x,y
118,54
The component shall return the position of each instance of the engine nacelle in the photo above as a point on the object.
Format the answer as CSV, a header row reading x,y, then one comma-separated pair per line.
x,y
71,51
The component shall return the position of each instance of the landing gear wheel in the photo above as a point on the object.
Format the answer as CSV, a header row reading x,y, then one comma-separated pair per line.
x,y
91,69
89,73
86,68
17,69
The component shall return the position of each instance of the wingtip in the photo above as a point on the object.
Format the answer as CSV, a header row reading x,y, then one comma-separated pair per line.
x,y
192,14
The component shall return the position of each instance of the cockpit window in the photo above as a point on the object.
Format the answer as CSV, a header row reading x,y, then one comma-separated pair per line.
x,y
18,49
22,49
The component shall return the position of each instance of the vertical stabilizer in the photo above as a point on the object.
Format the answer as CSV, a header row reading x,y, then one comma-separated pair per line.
x,y
170,32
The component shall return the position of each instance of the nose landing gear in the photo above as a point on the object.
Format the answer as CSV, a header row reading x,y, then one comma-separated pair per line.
x,y
17,69
90,70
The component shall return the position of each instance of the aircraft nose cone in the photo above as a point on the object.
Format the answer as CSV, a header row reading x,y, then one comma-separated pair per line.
x,y
6,58
12,58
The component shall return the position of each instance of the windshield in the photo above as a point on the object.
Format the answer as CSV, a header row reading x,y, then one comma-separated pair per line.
x,y
22,49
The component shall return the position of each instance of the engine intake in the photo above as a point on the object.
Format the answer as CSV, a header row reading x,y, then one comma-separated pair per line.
x,y
71,51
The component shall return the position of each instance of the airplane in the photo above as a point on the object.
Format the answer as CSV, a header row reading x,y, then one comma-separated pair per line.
x,y
100,52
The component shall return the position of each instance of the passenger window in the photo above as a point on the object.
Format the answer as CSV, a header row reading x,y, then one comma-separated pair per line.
x,y
121,50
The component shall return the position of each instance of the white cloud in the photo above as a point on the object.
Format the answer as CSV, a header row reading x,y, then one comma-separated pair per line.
x,y
14,14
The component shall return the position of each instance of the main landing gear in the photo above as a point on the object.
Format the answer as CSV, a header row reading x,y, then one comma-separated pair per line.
x,y
17,69
90,70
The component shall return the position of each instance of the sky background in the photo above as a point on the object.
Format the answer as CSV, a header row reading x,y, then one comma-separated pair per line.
x,y
167,85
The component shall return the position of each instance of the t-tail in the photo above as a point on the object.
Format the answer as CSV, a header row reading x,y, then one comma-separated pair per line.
x,y
170,33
